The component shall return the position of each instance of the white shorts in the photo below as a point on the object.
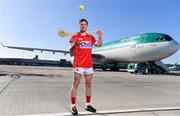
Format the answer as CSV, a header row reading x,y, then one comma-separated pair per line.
x,y
83,71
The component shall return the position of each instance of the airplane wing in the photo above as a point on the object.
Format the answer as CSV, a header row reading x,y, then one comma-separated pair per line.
x,y
96,57
38,49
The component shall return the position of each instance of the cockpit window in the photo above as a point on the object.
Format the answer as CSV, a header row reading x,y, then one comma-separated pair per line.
x,y
167,37
158,39
164,38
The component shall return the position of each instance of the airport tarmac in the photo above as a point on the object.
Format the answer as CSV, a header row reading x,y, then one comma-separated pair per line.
x,y
35,91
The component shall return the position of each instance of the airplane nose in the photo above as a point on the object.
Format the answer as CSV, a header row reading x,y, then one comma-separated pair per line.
x,y
175,46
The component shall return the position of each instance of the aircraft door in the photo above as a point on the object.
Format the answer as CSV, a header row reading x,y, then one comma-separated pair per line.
x,y
139,48
140,42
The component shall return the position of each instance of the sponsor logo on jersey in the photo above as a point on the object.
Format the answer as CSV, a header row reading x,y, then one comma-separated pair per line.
x,y
80,38
85,44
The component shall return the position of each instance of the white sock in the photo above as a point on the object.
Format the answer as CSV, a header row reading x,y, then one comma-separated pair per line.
x,y
72,105
87,104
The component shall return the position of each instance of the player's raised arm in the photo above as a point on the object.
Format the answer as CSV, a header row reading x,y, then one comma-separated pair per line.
x,y
99,41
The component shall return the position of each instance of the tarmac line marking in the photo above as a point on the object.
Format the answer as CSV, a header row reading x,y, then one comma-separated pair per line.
x,y
7,85
109,111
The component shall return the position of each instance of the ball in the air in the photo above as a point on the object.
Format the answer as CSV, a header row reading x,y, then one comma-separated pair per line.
x,y
81,7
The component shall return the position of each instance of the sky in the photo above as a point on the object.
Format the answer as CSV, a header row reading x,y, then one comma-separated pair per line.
x,y
35,23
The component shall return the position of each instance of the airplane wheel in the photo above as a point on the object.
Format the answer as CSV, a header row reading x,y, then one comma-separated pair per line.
x,y
110,69
135,72
146,71
116,69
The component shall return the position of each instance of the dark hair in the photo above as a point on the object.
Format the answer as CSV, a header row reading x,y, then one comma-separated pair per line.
x,y
83,20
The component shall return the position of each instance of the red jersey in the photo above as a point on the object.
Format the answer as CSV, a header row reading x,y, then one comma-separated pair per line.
x,y
83,52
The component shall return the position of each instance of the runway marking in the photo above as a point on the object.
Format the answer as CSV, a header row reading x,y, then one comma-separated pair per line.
x,y
109,111
7,85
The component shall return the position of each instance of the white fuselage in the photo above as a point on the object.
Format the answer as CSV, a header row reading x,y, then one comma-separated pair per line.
x,y
138,53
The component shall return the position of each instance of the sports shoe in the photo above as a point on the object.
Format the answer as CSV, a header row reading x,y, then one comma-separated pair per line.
x,y
74,110
90,108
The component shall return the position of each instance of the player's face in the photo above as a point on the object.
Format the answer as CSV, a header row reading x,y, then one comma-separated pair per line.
x,y
83,26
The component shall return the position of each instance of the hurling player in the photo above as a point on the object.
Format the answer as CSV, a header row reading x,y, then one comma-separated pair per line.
x,y
81,49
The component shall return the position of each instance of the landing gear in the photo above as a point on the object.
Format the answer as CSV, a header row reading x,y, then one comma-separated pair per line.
x,y
104,68
146,71
114,69
145,68
154,68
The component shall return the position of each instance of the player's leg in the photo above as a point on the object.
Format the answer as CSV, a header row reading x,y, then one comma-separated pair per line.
x,y
88,79
75,84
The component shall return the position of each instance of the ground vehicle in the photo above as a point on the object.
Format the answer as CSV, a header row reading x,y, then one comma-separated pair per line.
x,y
137,68
144,68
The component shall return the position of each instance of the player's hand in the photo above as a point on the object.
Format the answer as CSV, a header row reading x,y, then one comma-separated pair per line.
x,y
75,44
72,48
71,53
99,32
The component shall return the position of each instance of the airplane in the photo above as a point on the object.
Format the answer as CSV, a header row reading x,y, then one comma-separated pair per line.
x,y
174,67
147,48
